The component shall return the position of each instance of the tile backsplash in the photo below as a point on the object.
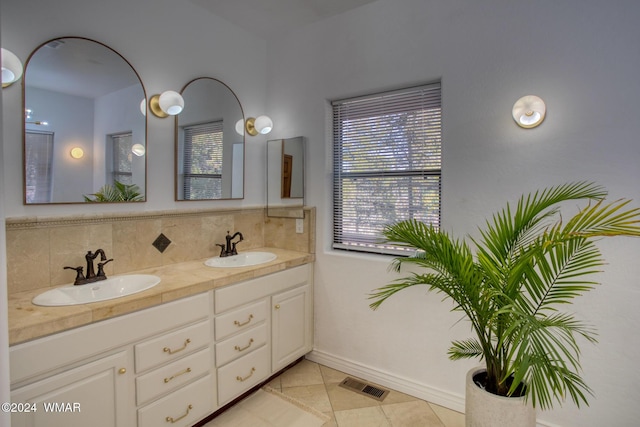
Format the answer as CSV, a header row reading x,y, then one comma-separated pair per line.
x,y
39,248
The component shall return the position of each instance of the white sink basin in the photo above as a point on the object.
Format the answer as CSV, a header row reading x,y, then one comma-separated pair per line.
x,y
241,260
113,287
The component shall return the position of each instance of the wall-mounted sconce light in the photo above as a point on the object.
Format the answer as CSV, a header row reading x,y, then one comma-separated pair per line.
x,y
168,103
143,107
11,67
260,125
529,111
77,153
138,150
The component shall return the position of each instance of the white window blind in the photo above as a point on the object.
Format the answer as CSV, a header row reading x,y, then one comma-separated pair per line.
x,y
38,152
203,161
387,164
122,158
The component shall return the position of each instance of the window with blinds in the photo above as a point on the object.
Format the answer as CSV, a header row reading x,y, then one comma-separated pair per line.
x,y
387,165
202,156
38,152
122,158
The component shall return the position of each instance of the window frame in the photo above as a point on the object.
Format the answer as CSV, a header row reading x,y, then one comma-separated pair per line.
x,y
408,119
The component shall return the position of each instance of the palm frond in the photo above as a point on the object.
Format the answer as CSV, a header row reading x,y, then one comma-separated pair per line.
x,y
466,349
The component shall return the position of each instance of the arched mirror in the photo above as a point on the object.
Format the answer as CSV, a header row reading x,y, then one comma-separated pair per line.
x,y
85,126
209,152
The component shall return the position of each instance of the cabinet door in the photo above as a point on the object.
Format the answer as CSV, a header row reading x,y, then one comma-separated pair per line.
x,y
95,394
292,320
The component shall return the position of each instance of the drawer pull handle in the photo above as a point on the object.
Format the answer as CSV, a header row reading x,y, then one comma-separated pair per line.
x,y
168,350
277,307
239,378
243,323
122,371
238,348
186,371
175,420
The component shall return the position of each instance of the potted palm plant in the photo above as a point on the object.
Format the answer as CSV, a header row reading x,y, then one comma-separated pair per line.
x,y
527,264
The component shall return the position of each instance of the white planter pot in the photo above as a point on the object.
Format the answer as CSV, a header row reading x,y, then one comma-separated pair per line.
x,y
484,409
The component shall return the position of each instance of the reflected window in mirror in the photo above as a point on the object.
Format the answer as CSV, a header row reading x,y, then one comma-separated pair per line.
x,y
87,96
202,164
38,163
209,152
121,164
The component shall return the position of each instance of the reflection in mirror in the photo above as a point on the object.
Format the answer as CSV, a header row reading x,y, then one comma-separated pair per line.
x,y
84,132
209,152
285,177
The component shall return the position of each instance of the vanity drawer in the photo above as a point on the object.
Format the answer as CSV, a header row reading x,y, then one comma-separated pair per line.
x,y
240,319
171,346
184,407
238,294
172,376
242,374
241,344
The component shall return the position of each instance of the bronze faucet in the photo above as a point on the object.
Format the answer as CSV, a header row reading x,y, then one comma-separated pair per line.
x,y
230,247
91,276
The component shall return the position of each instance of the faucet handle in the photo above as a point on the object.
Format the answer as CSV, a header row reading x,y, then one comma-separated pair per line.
x,y
101,268
222,247
79,275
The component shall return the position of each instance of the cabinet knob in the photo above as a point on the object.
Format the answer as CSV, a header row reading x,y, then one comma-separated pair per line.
x,y
122,371
277,307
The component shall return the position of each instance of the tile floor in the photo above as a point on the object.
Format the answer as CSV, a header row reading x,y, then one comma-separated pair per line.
x,y
318,386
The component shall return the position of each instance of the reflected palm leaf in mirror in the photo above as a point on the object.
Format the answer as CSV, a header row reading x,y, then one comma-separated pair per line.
x,y
80,93
209,157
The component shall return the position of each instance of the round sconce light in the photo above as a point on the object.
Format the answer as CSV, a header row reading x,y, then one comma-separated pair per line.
x,y
77,153
11,67
529,111
169,103
240,127
138,150
263,124
143,107
260,125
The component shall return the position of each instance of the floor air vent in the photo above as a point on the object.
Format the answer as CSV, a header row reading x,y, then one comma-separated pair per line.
x,y
365,389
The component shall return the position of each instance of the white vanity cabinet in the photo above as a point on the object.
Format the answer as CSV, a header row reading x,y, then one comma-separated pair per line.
x,y
117,372
93,394
292,325
261,325
173,364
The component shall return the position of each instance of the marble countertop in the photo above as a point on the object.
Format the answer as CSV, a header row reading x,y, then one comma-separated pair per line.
x,y
28,321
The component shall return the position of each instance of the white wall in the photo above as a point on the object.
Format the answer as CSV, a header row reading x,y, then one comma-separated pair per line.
x,y
582,58
5,417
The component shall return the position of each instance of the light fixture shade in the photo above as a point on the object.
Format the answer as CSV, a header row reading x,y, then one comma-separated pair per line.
x,y
263,124
77,153
240,127
11,67
171,102
529,111
138,149
143,107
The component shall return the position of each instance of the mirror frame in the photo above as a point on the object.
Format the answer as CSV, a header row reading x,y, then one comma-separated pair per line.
x,y
177,146
24,120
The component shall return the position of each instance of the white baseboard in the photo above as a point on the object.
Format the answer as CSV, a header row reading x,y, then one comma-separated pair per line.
x,y
439,397
443,398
